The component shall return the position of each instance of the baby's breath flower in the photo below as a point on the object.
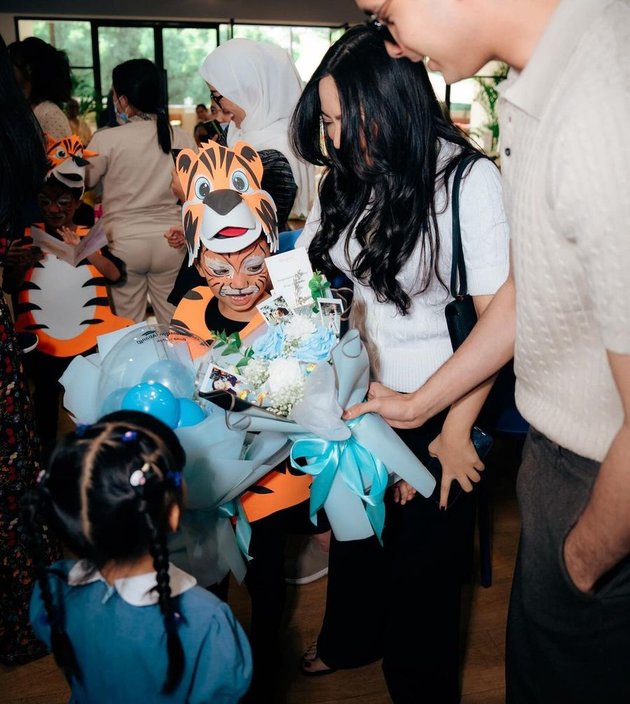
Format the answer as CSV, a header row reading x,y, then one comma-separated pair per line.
x,y
256,372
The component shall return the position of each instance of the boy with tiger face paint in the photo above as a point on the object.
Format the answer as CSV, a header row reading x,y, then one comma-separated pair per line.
x,y
230,228
238,280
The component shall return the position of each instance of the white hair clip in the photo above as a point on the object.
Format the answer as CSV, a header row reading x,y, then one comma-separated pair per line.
x,y
138,477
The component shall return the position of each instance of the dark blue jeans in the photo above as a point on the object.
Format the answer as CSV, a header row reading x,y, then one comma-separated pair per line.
x,y
563,646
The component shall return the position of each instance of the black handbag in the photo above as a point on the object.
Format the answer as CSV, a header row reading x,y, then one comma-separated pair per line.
x,y
460,313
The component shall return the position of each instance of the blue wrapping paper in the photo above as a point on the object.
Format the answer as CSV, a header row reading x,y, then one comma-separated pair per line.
x,y
215,472
348,461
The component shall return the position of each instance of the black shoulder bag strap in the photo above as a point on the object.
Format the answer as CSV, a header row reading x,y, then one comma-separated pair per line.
x,y
458,265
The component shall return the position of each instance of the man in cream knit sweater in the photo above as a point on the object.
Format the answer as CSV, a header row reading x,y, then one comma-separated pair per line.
x,y
565,312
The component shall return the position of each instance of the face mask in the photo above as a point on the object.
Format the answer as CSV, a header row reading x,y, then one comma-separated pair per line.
x,y
122,118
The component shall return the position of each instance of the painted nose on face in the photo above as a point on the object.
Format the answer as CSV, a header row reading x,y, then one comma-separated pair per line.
x,y
239,281
222,201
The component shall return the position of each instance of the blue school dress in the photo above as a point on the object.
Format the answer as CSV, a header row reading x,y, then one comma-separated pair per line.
x,y
119,640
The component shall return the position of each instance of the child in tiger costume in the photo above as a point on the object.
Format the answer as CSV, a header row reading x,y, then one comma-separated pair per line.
x,y
66,307
230,228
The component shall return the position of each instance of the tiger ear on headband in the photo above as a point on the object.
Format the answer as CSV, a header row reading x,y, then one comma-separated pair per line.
x,y
185,160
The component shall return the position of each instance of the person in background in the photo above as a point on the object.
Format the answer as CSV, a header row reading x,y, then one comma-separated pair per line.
x,y
257,86
22,173
384,219
266,78
203,115
219,116
565,150
122,622
134,164
67,305
77,124
43,74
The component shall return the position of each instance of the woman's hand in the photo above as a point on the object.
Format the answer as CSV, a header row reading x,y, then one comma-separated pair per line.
x,y
175,237
460,462
403,492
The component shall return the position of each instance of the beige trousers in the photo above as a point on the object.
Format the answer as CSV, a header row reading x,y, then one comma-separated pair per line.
x,y
152,267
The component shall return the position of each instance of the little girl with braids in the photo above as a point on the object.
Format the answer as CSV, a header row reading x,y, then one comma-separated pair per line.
x,y
123,623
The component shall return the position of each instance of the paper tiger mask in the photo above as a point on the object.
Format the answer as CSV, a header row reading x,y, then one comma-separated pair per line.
x,y
225,208
67,159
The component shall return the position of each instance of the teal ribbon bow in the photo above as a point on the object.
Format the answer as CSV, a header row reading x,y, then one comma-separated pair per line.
x,y
243,526
355,464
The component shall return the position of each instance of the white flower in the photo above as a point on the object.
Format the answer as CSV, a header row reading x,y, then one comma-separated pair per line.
x,y
255,372
284,373
299,327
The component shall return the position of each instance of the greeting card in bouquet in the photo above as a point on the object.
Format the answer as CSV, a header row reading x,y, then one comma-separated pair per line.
x,y
290,274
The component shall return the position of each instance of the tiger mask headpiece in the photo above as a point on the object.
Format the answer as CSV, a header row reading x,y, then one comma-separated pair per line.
x,y
225,209
67,159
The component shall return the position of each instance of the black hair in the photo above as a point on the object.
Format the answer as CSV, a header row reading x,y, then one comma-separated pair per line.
x,y
22,154
382,182
107,493
46,68
141,82
201,105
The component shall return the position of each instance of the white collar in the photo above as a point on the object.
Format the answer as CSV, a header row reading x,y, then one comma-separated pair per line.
x,y
138,590
532,88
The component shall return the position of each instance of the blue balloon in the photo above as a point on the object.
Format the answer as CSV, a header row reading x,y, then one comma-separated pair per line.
x,y
178,378
189,413
154,399
113,402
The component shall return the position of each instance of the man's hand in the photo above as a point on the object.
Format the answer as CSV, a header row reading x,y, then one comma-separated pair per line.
x,y
399,410
601,536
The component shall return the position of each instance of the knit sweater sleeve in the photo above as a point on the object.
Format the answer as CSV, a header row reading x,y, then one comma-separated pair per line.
x,y
594,213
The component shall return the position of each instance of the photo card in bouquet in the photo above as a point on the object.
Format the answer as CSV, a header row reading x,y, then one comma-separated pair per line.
x,y
330,311
275,310
290,274
218,379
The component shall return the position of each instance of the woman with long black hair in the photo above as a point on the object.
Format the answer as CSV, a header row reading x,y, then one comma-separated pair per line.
x,y
384,219
134,163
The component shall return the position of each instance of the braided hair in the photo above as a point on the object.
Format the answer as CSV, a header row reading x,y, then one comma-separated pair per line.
x,y
108,493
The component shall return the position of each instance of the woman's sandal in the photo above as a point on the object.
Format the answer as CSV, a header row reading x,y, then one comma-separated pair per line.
x,y
312,665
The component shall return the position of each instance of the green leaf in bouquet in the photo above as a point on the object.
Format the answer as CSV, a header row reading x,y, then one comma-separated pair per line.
x,y
232,344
